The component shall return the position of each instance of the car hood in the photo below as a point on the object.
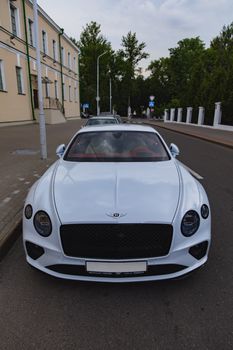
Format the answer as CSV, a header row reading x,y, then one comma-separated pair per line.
x,y
138,192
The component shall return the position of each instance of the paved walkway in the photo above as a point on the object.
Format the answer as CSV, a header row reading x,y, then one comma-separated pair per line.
x,y
21,166
217,136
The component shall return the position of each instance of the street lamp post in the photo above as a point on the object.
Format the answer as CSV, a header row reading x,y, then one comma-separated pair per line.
x,y
43,144
110,93
97,87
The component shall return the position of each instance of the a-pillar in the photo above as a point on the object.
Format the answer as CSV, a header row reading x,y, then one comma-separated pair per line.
x,y
217,114
172,114
179,115
189,115
201,116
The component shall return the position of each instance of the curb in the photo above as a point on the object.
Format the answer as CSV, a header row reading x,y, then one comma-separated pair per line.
x,y
221,143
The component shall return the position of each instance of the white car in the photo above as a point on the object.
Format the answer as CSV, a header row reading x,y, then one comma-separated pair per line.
x,y
117,207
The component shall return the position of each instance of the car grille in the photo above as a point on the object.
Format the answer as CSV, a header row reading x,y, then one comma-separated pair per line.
x,y
116,241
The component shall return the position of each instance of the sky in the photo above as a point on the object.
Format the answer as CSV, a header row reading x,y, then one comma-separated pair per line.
x,y
159,23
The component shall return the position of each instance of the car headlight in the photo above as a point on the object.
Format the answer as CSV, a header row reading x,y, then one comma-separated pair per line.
x,y
28,211
190,223
42,223
205,211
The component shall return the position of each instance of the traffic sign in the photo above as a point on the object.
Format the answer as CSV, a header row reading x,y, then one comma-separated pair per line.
x,y
151,104
86,105
152,98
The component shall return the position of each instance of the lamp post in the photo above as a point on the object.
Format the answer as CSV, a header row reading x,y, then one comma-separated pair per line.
x,y
43,144
97,87
110,92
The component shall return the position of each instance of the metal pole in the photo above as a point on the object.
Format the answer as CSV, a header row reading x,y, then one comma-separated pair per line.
x,y
110,95
97,81
43,145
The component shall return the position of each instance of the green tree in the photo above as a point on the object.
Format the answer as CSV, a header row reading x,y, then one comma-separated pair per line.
x,y
130,55
91,44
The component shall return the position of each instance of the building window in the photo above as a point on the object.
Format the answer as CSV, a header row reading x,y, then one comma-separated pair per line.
x,y
70,97
2,80
13,11
47,90
56,89
19,80
44,42
54,50
30,26
75,95
64,90
62,55
69,60
74,64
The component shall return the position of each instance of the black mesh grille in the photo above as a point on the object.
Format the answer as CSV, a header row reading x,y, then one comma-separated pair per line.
x,y
116,241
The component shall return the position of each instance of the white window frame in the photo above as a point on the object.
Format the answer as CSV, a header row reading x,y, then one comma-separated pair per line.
x,y
70,94
32,31
75,94
44,35
21,79
63,55
3,75
69,60
64,89
56,94
74,63
17,19
54,49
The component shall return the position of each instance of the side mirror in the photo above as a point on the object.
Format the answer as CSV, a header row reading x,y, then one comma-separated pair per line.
x,y
174,150
60,150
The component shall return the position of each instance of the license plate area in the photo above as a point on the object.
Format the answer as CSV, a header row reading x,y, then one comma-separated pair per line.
x,y
116,267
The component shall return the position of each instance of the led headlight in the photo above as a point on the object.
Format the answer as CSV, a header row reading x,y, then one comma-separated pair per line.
x,y
205,211
190,223
42,223
28,211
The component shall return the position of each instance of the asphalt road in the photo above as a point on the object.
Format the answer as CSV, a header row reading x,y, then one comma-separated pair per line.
x,y
40,312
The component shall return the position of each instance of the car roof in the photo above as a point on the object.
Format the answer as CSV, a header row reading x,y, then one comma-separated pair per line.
x,y
120,127
103,117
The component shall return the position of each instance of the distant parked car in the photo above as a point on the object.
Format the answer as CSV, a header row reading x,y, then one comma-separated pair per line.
x,y
117,207
101,120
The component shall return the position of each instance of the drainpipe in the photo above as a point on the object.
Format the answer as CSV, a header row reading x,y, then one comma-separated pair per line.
x,y
61,69
28,60
78,72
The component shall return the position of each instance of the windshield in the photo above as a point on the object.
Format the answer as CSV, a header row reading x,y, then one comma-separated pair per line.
x,y
116,146
102,121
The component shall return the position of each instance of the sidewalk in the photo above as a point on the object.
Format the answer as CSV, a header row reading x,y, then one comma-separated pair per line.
x,y
21,166
220,137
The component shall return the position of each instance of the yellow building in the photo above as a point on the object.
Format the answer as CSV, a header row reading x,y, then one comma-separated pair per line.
x,y
18,71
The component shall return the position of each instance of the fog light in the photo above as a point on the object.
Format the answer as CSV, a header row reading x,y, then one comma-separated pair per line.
x,y
28,211
34,250
199,250
204,211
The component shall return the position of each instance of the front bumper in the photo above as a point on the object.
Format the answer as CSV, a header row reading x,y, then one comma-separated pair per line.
x,y
176,264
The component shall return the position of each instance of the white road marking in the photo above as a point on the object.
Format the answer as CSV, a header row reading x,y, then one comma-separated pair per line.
x,y
21,178
36,175
16,192
6,200
192,172
26,182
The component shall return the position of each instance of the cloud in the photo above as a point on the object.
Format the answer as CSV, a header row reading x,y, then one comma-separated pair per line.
x,y
159,23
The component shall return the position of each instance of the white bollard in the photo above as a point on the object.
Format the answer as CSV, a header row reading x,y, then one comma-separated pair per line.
x,y
165,115
201,115
172,114
217,114
189,115
179,116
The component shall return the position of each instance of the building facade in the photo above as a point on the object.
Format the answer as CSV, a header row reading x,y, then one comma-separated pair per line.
x,y
18,69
